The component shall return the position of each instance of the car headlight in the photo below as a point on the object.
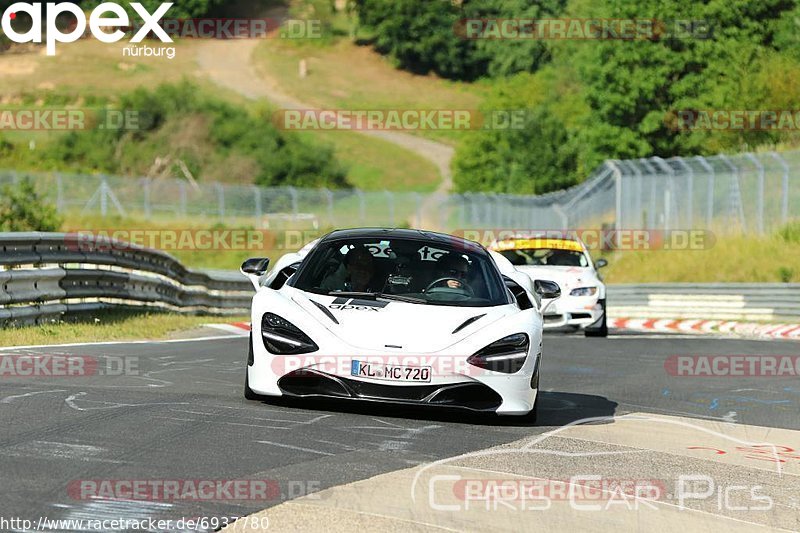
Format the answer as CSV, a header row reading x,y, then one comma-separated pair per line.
x,y
583,291
281,337
507,355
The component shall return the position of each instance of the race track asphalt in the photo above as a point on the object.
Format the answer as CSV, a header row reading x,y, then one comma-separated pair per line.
x,y
179,414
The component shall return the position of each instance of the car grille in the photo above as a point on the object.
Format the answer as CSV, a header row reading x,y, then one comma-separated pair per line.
x,y
307,382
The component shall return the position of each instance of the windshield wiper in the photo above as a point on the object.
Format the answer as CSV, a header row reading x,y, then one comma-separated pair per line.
x,y
376,295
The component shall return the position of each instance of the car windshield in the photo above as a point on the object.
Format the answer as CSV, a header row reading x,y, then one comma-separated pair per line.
x,y
546,257
414,270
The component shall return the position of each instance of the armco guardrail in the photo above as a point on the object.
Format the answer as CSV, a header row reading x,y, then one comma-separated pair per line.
x,y
711,301
44,276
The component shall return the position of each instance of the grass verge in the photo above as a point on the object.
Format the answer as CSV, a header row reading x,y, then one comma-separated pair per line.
x,y
376,165
730,260
99,70
343,75
109,326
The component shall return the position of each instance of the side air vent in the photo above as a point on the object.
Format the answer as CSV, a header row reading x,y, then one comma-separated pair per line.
x,y
283,276
467,322
325,310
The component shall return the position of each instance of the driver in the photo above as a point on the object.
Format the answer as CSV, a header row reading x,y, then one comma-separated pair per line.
x,y
562,258
455,268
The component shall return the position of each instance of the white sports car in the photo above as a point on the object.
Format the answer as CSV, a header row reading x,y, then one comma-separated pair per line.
x,y
401,316
568,263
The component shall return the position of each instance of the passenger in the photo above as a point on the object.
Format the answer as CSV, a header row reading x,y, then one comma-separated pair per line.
x,y
360,267
355,272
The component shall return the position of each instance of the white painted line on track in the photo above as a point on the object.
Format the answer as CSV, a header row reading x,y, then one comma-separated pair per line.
x,y
122,343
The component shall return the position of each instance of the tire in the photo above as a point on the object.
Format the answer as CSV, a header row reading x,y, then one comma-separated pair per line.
x,y
602,329
534,413
248,392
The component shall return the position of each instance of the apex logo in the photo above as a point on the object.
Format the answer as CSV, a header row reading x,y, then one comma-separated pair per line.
x,y
98,20
352,304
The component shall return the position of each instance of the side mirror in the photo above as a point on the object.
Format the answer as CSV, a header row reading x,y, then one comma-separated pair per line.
x,y
547,290
600,263
256,266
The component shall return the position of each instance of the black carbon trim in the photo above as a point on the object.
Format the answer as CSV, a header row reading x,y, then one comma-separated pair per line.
x,y
325,310
467,322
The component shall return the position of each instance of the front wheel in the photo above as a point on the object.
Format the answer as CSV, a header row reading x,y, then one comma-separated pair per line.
x,y
534,412
599,328
248,392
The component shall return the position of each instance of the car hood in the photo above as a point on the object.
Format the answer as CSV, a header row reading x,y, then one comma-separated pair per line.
x,y
567,278
409,328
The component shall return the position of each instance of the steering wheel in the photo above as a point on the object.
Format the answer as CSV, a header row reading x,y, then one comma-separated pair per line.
x,y
464,287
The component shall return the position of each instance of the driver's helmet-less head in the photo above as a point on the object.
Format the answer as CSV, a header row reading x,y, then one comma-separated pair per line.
x,y
454,265
561,258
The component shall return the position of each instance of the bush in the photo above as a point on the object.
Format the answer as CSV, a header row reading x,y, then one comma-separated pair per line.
x,y
541,157
534,160
23,209
216,140
790,233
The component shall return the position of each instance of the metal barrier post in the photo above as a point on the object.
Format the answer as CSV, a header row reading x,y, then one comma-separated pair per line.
x,y
760,199
784,187
711,185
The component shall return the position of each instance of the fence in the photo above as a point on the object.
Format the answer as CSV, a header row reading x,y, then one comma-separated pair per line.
x,y
746,193
761,302
44,276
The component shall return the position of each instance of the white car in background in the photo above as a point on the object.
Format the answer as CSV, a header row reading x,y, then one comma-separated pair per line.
x,y
568,263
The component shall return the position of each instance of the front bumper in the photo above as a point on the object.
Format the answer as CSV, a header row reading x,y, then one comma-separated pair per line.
x,y
478,390
573,311
474,396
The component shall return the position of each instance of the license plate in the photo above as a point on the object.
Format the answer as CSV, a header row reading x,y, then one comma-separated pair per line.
x,y
362,369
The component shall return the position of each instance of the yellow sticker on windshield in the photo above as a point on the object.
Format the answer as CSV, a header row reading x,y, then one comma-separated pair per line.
x,y
538,244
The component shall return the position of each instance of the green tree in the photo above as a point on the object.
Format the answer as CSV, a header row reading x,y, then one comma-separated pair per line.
x,y
539,157
430,36
633,87
504,57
